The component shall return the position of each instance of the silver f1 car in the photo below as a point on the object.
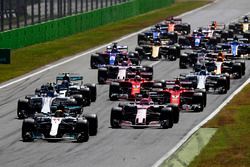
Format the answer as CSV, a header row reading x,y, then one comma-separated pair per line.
x,y
58,126
59,118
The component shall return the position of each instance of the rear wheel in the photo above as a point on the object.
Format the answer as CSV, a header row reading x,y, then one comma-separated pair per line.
x,y
199,101
94,61
114,91
183,61
22,108
102,75
92,88
237,69
86,96
176,114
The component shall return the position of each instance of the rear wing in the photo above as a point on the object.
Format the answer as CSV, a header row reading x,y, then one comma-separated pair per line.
x,y
172,18
184,84
72,77
119,48
216,25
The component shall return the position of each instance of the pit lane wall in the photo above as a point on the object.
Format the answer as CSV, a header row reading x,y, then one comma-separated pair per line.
x,y
66,26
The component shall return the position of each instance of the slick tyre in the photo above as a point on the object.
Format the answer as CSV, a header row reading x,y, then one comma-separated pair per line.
x,y
28,128
114,91
93,91
86,94
22,108
82,130
102,75
166,118
94,61
198,99
115,117
93,124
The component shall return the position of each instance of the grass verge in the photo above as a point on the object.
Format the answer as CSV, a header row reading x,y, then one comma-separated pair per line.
x,y
29,58
230,144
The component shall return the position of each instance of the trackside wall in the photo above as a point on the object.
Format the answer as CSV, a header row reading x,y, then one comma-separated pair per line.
x,y
66,26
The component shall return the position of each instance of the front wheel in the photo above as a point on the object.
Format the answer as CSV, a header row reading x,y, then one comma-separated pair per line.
x,y
115,117
82,130
166,118
28,129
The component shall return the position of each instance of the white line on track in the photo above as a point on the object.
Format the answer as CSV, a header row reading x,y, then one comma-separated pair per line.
x,y
191,132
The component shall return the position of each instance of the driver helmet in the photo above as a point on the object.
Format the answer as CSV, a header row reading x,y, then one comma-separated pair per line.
x,y
203,50
220,57
137,78
203,68
176,87
157,42
59,113
177,82
245,19
157,27
146,101
65,83
124,63
203,72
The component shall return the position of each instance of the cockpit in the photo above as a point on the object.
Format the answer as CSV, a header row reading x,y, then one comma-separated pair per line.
x,y
146,101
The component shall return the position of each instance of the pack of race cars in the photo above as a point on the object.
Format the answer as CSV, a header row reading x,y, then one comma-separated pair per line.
x,y
216,54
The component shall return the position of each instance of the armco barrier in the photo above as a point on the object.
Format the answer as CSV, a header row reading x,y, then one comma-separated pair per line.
x,y
62,27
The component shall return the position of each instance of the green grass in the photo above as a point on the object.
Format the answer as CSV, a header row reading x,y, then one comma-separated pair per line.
x,y
29,58
230,145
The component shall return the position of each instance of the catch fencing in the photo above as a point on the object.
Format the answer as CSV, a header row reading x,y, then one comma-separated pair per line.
x,y
64,26
20,13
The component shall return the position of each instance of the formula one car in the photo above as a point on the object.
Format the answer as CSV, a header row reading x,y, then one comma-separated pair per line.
x,y
116,73
181,94
158,50
176,25
201,38
129,88
143,114
155,34
214,62
235,48
58,126
113,55
189,59
221,65
241,26
68,84
205,80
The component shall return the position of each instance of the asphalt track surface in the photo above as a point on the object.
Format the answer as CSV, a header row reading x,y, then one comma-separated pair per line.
x,y
111,147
